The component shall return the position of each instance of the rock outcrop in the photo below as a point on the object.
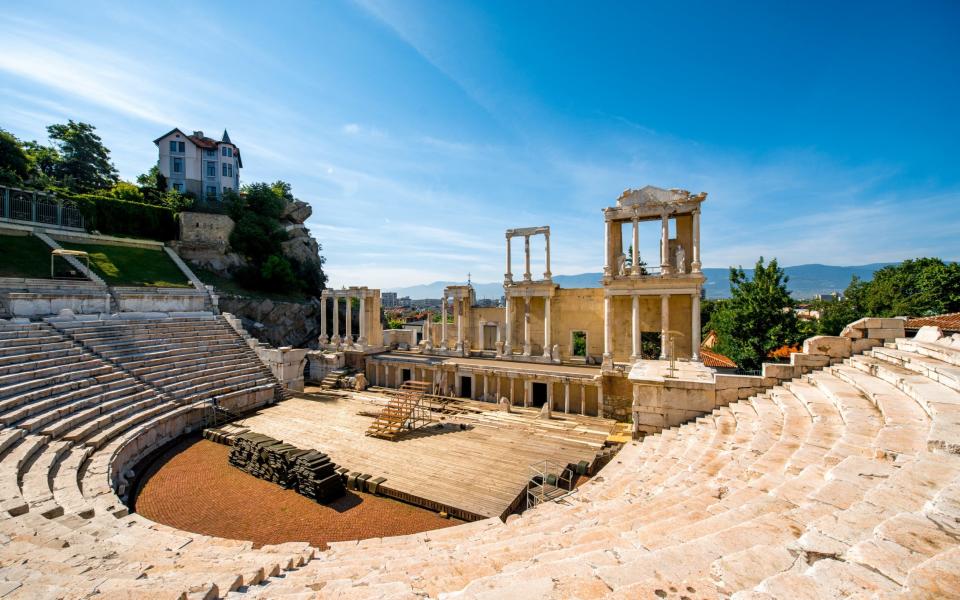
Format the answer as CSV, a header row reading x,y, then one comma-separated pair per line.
x,y
277,323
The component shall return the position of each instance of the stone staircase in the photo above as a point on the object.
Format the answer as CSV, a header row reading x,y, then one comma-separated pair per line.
x,y
404,412
842,483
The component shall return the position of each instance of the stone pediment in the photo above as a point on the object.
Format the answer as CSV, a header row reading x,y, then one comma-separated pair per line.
x,y
653,196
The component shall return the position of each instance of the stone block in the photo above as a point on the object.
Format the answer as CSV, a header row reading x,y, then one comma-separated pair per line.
x,y
779,371
833,346
859,346
809,360
929,333
886,334
726,396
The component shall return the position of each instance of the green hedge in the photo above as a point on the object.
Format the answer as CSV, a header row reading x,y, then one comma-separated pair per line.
x,y
118,217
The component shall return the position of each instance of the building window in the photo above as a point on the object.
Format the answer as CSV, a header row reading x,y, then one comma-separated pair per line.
x,y
211,192
227,170
227,151
178,187
178,165
211,169
173,146
210,152
177,146
181,147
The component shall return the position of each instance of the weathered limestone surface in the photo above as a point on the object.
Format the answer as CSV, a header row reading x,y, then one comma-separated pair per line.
x,y
841,483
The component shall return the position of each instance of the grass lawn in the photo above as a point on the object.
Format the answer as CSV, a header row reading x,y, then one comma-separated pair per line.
x,y
231,287
126,265
24,256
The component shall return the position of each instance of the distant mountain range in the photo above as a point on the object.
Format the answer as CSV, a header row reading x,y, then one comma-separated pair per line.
x,y
805,282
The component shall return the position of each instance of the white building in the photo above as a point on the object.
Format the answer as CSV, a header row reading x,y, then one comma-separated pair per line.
x,y
199,165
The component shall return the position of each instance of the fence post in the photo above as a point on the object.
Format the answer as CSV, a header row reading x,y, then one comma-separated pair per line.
x,y
6,203
59,212
33,208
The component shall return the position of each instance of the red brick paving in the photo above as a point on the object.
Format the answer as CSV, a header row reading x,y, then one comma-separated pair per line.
x,y
193,488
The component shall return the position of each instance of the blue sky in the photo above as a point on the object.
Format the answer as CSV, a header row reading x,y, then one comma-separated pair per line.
x,y
419,131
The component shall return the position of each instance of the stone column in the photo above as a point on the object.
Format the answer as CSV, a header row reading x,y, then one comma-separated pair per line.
x,y
600,400
635,255
583,398
695,263
550,394
695,326
481,343
508,328
665,244
484,398
527,388
547,274
635,328
443,323
607,328
526,325
508,276
498,388
664,324
566,396
349,340
324,338
547,353
363,321
459,302
607,266
336,321
526,252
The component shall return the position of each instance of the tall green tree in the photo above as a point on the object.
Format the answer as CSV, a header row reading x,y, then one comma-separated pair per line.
x,y
757,318
919,287
44,164
86,165
14,162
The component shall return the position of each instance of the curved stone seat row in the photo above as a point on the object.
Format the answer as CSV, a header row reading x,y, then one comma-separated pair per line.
x,y
842,483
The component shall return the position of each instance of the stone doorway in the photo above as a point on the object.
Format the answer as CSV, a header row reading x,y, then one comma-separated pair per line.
x,y
405,375
466,386
539,393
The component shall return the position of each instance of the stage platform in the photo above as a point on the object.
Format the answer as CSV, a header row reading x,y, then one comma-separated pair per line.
x,y
473,464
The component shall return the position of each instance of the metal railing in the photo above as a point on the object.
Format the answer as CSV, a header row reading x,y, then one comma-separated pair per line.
x,y
38,207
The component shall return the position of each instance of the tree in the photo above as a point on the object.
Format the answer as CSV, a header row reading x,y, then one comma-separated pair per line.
x,y
44,163
14,162
757,318
920,287
85,166
124,190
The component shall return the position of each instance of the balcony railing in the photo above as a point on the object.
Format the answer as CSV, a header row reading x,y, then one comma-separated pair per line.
x,y
38,207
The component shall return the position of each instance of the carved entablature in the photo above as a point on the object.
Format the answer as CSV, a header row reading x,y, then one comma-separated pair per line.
x,y
651,202
525,231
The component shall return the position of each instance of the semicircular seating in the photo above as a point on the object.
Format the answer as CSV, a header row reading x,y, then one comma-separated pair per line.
x,y
842,483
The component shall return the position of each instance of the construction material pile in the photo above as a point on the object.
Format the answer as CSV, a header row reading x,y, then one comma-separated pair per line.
x,y
309,472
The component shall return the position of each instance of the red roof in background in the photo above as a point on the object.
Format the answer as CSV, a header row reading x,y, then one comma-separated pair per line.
x,y
712,359
949,322
203,142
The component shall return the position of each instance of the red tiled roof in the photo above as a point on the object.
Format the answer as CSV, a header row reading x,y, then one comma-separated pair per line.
x,y
203,142
712,359
949,322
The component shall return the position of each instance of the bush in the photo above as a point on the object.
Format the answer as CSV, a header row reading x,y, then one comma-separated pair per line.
x,y
117,217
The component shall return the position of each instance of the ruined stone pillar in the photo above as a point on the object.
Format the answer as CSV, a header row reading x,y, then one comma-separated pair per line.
x,y
547,274
349,338
459,302
508,276
600,399
527,389
695,326
498,388
324,338
665,244
695,263
550,394
484,397
546,329
443,323
481,343
583,397
526,326
336,321
363,321
526,252
607,328
635,327
566,396
635,254
664,324
508,328
607,266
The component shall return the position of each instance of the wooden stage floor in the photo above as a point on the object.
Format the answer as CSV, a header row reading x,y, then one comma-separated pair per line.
x,y
477,472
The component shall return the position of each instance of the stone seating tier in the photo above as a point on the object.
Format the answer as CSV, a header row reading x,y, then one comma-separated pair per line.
x,y
844,482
